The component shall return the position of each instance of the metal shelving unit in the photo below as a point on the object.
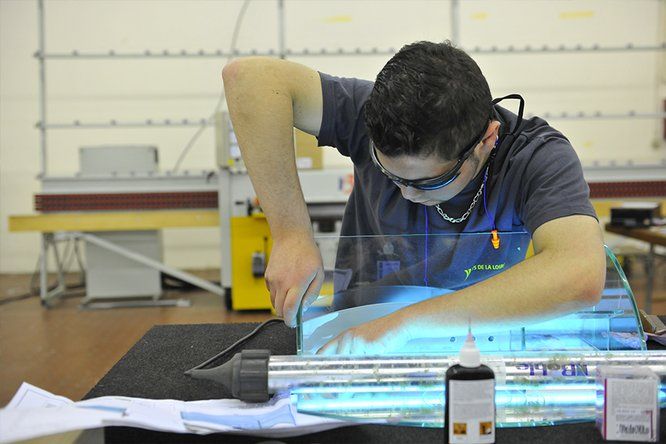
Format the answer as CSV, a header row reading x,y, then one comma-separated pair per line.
x,y
306,52
42,55
128,124
579,115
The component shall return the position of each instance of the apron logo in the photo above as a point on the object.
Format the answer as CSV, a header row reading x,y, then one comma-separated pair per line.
x,y
484,267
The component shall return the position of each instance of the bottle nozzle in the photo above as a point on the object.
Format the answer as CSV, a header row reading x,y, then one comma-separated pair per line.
x,y
470,356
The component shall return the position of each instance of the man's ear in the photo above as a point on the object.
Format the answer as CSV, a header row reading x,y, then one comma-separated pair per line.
x,y
491,136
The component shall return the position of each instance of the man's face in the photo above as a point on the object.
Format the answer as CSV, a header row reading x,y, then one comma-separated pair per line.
x,y
415,168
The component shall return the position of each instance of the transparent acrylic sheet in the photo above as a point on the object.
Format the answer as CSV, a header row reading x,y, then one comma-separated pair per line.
x,y
373,276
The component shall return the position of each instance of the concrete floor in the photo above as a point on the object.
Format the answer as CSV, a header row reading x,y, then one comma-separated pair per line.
x,y
66,350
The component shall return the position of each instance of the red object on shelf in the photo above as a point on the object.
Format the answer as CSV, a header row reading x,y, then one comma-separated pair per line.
x,y
651,188
125,201
208,199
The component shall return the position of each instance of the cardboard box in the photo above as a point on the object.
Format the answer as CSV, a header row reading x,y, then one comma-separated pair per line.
x,y
628,403
308,154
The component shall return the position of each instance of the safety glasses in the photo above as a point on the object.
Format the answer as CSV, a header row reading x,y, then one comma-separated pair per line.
x,y
433,183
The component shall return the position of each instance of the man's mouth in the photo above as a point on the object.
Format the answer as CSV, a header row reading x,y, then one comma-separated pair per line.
x,y
428,203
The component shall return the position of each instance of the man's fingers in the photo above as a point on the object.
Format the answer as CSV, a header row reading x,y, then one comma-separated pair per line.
x,y
272,293
346,346
294,297
331,347
328,348
287,302
273,300
280,298
291,302
312,293
346,343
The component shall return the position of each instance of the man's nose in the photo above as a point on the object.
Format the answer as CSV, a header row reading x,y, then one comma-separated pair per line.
x,y
409,192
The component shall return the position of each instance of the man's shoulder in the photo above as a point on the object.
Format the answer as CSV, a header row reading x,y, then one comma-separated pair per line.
x,y
538,138
342,123
351,85
539,150
345,95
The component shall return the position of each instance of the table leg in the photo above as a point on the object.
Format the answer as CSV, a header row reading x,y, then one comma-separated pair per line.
x,y
43,268
649,269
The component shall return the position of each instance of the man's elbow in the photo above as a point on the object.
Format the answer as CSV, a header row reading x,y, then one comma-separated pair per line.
x,y
242,80
250,70
590,283
231,72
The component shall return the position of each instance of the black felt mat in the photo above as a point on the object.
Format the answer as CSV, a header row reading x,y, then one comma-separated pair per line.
x,y
154,368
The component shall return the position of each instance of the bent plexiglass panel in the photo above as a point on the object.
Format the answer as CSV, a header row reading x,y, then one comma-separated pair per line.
x,y
373,276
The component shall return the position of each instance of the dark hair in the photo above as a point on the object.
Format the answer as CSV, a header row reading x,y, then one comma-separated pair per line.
x,y
429,98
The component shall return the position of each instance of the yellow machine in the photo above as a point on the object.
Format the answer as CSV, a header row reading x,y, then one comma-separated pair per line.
x,y
251,245
250,248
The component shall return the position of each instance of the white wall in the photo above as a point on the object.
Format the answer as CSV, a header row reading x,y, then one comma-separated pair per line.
x,y
189,88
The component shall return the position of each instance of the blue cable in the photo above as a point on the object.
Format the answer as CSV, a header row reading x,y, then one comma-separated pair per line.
x,y
425,271
491,220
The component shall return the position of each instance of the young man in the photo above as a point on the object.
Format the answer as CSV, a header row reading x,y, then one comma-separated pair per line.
x,y
427,144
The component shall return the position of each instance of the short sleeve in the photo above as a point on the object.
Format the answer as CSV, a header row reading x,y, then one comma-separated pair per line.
x,y
342,124
553,185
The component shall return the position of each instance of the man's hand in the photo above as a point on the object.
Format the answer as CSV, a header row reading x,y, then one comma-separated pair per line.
x,y
383,335
295,272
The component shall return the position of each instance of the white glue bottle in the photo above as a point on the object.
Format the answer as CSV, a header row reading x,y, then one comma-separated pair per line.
x,y
470,398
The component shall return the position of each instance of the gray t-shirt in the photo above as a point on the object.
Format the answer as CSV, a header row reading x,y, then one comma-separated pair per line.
x,y
533,179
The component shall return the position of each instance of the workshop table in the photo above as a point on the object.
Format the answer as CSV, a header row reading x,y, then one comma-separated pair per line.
x,y
85,225
653,236
154,368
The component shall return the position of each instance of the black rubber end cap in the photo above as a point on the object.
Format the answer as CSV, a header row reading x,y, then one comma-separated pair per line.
x,y
245,375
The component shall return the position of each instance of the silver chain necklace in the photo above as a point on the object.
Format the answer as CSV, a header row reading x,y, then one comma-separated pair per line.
x,y
465,215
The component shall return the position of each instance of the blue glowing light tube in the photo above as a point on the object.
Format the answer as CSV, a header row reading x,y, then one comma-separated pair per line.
x,y
531,388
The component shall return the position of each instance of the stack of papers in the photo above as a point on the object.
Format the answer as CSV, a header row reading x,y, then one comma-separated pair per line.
x,y
34,412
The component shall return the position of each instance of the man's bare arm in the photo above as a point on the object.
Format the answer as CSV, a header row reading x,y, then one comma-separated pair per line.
x,y
267,98
566,273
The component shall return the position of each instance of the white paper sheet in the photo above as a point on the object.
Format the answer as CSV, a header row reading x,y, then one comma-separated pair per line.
x,y
277,418
34,412
152,414
29,396
33,422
